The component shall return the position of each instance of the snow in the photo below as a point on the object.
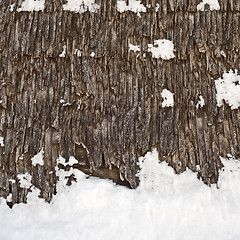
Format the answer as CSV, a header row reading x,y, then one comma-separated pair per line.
x,y
81,6
25,180
12,180
168,100
63,54
11,7
92,54
64,104
78,52
30,5
63,174
70,162
162,48
38,158
133,5
135,48
165,206
223,53
1,141
228,89
9,197
213,4
201,102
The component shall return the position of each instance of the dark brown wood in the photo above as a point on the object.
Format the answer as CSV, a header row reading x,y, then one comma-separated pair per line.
x,y
106,110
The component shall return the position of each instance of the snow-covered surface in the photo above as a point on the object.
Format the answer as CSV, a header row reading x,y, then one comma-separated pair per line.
x,y
162,48
201,102
25,180
228,89
135,48
1,141
165,206
133,5
30,5
168,100
81,6
213,4
38,158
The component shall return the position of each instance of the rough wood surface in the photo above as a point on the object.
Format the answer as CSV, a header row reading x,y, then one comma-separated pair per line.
x,y
106,110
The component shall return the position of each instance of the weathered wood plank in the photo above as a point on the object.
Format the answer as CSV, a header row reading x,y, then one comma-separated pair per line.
x,y
108,99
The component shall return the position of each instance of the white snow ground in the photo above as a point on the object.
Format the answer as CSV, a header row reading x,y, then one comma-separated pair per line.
x,y
165,207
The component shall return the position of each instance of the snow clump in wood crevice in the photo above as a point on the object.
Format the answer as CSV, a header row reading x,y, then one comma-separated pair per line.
x,y
167,97
228,89
25,180
213,4
134,48
38,158
162,48
63,53
1,141
201,102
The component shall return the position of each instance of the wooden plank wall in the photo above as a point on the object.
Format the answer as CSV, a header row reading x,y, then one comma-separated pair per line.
x,y
111,103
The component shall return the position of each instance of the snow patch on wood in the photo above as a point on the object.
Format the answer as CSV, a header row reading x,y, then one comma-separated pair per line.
x,y
92,54
78,52
133,5
81,6
213,4
135,48
63,54
168,100
63,162
38,158
162,48
25,180
201,102
228,89
11,7
1,141
9,198
30,5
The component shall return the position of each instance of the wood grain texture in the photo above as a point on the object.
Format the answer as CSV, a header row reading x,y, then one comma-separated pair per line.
x,y
111,103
